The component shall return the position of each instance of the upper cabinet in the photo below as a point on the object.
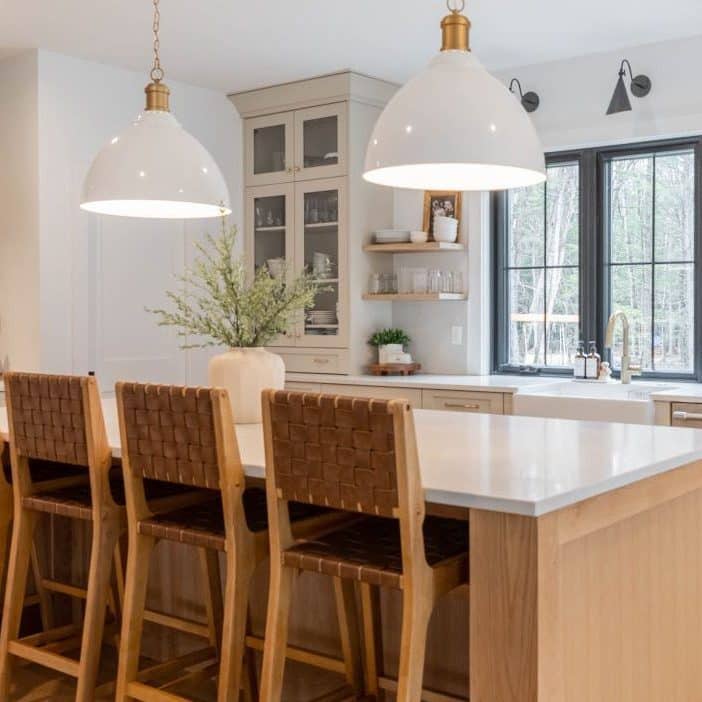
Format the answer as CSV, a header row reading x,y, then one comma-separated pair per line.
x,y
296,145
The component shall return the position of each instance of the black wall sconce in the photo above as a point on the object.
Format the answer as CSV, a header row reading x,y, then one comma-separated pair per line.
x,y
640,87
530,101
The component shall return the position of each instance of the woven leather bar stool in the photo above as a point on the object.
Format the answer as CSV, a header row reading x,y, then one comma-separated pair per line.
x,y
56,426
357,455
186,436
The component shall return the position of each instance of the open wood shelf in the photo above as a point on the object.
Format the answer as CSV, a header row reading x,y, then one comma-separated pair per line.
x,y
415,297
427,247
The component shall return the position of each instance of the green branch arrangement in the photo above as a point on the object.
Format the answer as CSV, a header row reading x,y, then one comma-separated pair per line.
x,y
389,336
223,306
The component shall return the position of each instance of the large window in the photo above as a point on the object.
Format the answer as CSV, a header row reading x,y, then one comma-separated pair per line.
x,y
614,229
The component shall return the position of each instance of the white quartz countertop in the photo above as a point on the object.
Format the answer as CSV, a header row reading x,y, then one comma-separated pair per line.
x,y
485,383
685,392
521,465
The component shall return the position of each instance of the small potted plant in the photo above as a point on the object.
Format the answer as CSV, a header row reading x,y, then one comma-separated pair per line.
x,y
220,304
388,343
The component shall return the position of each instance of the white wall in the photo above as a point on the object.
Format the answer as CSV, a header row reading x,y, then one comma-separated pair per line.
x,y
19,212
575,95
574,98
98,273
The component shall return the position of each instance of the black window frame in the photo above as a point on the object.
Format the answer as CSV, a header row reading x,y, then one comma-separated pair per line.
x,y
593,247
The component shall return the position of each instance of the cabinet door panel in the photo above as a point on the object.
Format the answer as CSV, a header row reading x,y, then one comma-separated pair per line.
x,y
269,234
687,414
457,401
269,149
320,142
320,248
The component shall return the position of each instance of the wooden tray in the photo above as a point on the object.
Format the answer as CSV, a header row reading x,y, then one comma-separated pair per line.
x,y
394,368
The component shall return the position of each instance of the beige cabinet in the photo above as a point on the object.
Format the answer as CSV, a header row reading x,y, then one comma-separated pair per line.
x,y
460,401
686,414
296,145
304,145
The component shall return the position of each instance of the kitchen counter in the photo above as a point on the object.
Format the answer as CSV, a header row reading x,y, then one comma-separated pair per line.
x,y
515,465
684,392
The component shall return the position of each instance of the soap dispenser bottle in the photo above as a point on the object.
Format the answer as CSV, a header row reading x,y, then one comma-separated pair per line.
x,y
579,364
592,363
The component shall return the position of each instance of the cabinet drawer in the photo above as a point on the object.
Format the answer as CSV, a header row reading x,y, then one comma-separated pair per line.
x,y
686,414
314,360
414,397
302,387
485,402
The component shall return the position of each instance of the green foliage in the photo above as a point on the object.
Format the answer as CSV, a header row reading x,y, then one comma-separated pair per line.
x,y
389,336
223,306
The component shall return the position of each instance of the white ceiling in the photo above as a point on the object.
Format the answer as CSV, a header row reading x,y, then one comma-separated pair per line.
x,y
234,45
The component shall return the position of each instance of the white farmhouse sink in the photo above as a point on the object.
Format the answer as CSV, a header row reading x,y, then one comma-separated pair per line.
x,y
605,402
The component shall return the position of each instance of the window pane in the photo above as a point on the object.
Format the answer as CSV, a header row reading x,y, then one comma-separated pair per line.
x,y
525,242
631,209
562,215
674,317
562,315
526,319
631,294
675,207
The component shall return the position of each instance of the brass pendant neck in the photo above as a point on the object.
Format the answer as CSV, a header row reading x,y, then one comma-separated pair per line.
x,y
455,32
157,97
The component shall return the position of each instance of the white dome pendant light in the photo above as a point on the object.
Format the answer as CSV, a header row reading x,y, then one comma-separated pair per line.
x,y
454,126
155,168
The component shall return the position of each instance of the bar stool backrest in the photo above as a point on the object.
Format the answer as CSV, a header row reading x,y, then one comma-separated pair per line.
x,y
176,434
47,416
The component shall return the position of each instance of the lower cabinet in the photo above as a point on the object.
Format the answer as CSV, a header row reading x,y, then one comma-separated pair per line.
x,y
686,414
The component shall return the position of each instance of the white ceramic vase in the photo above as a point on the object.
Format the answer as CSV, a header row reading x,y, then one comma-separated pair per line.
x,y
245,373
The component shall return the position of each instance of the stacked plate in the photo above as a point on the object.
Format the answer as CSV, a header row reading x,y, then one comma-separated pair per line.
x,y
392,236
321,317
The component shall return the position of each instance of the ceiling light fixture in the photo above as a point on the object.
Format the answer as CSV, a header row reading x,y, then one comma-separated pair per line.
x,y
454,126
640,87
530,100
155,168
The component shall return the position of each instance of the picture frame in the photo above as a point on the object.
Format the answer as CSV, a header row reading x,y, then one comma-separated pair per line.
x,y
449,202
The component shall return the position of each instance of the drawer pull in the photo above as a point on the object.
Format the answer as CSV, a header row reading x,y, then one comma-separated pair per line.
x,y
320,361
687,416
461,405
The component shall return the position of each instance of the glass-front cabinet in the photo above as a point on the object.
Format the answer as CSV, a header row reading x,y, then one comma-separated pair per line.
x,y
303,225
269,231
320,249
297,145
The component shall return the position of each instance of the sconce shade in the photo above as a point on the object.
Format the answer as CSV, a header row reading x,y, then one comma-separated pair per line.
x,y
620,99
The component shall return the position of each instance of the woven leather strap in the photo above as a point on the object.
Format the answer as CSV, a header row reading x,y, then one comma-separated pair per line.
x,y
334,451
170,434
48,417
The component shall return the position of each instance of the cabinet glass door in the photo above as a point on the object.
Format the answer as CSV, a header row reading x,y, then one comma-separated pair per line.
x,y
269,241
320,250
320,149
269,149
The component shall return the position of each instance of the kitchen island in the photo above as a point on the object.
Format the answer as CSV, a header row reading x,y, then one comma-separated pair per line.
x,y
585,552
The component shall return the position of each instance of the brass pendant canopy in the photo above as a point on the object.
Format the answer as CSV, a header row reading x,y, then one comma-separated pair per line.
x,y
455,32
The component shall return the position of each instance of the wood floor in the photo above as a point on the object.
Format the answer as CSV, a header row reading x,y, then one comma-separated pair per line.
x,y
35,684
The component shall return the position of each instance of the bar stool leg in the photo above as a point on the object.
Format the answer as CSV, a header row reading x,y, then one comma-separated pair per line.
x,y
372,638
416,612
22,535
345,594
236,602
105,536
279,597
250,682
137,579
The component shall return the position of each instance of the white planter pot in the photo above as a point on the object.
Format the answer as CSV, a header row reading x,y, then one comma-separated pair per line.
x,y
386,352
245,373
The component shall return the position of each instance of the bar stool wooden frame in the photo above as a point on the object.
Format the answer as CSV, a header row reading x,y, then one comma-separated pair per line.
x,y
59,418
196,445
357,455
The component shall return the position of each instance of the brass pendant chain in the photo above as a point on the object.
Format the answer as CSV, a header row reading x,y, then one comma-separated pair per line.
x,y
156,70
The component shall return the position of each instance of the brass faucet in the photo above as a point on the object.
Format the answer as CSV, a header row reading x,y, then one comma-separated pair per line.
x,y
628,369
